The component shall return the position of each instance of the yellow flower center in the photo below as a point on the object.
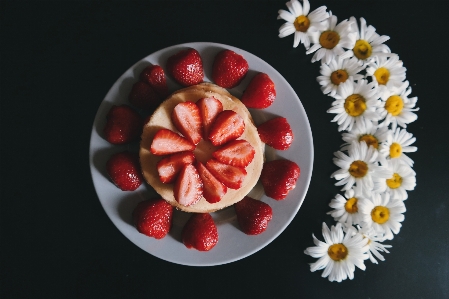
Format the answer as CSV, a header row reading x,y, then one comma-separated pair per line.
x,y
395,181
301,23
380,214
362,49
351,205
370,140
395,150
394,105
358,169
339,76
382,75
329,39
337,252
355,105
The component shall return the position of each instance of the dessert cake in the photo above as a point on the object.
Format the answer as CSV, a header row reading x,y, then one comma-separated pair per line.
x,y
162,119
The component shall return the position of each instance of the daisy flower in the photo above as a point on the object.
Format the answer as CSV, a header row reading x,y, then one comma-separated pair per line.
x,y
367,132
397,144
339,254
329,42
396,107
355,102
345,208
368,43
386,72
337,72
300,22
402,180
359,167
382,213
374,239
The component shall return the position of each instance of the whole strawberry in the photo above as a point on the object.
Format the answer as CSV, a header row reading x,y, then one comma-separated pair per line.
x,y
276,132
260,92
123,125
253,215
153,218
229,69
279,177
154,76
124,170
186,67
143,96
200,232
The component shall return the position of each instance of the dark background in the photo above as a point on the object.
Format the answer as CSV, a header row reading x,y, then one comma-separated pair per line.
x,y
58,61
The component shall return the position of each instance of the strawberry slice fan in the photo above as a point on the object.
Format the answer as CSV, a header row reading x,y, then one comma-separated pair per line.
x,y
214,166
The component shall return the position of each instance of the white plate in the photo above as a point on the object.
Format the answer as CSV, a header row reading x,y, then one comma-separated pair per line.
x,y
233,244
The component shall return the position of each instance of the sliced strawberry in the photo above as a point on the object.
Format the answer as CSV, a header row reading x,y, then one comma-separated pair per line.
x,y
209,109
237,153
213,189
277,133
253,215
169,167
123,125
166,142
200,232
279,177
143,96
229,69
231,176
186,67
153,217
124,170
260,92
154,76
188,187
228,125
187,119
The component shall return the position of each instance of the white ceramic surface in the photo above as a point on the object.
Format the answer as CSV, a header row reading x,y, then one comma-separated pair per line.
x,y
233,244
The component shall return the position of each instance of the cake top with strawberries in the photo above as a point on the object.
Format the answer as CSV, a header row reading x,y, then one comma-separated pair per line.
x,y
161,142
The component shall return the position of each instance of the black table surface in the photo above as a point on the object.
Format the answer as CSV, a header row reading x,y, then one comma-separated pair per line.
x,y
58,61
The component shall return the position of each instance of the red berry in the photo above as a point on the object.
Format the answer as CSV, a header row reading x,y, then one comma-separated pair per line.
x,y
228,125
124,170
154,76
153,218
188,188
209,109
186,67
229,69
253,215
279,177
123,125
260,92
187,119
277,133
230,176
237,153
200,232
143,96
169,167
166,142
213,189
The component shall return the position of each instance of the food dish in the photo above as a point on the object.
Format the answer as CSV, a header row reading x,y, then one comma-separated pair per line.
x,y
149,161
233,244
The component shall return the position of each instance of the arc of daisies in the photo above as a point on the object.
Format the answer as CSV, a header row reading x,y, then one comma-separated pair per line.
x,y
376,174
